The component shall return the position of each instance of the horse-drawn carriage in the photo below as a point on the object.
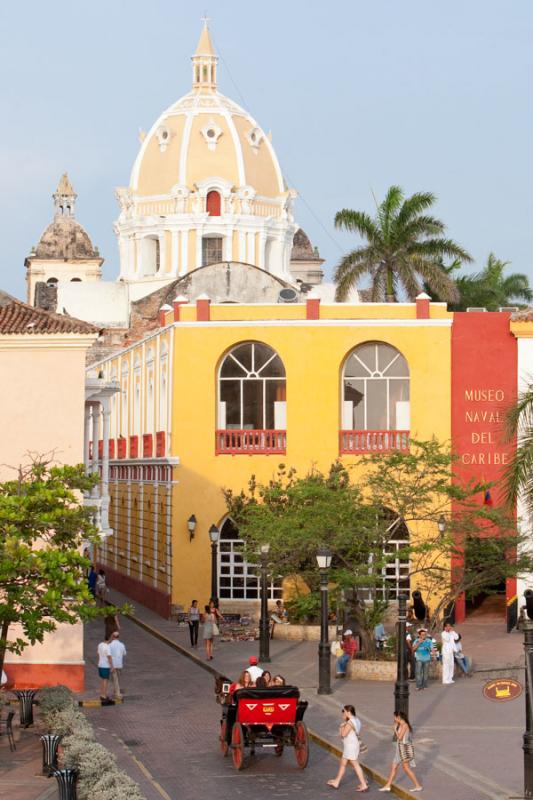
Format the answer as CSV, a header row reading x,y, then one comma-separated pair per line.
x,y
268,718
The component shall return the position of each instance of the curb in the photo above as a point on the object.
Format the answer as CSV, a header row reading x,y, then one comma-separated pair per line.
x,y
98,703
315,737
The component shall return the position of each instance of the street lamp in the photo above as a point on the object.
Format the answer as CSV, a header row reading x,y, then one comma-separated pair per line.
x,y
264,625
441,524
401,687
213,535
527,745
191,526
323,558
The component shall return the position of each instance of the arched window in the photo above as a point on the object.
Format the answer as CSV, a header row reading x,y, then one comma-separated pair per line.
x,y
151,255
51,282
75,280
211,250
237,578
213,204
252,400
375,399
396,572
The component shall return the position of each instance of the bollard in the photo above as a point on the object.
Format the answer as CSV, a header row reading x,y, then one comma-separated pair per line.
x,y
66,781
25,698
50,742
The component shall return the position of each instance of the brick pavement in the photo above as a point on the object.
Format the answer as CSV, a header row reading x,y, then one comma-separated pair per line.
x,y
462,738
20,771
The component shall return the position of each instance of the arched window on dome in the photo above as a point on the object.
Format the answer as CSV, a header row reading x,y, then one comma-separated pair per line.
x,y
51,282
252,406
375,400
75,280
213,203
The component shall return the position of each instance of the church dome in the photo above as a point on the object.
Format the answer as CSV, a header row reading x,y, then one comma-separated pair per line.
x,y
65,238
205,136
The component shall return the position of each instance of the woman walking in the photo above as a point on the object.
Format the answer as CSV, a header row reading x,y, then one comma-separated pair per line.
x,y
194,623
210,623
404,752
349,730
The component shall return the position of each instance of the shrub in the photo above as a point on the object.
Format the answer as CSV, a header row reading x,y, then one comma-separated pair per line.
x,y
99,776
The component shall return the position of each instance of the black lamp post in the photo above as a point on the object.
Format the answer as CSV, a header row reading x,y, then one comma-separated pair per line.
x,y
213,535
323,558
264,624
401,687
527,745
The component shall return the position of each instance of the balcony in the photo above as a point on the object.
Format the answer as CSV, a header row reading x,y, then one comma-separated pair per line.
x,y
250,442
365,442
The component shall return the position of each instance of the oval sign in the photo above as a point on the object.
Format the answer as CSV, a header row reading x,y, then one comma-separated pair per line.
x,y
502,689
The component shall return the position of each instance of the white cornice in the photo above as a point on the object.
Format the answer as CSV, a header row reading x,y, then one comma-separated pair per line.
x,y
46,341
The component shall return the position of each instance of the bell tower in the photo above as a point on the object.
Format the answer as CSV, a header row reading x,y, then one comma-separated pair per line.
x,y
204,63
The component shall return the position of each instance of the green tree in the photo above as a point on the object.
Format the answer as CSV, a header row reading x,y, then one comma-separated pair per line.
x,y
519,473
42,570
359,517
491,288
404,247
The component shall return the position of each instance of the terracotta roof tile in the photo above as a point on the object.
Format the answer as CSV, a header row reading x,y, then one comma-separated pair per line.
x,y
17,317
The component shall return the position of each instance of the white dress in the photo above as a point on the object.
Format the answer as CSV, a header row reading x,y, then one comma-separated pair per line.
x,y
448,649
350,750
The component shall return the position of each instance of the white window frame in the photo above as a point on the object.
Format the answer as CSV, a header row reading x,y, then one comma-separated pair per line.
x,y
250,570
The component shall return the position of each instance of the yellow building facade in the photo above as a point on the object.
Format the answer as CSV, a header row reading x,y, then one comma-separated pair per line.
x,y
221,392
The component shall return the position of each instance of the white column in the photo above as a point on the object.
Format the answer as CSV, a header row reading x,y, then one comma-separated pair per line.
x,y
104,492
184,266
242,246
198,262
262,245
174,253
96,436
87,437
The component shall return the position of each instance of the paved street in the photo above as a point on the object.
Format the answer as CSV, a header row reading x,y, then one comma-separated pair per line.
x,y
170,720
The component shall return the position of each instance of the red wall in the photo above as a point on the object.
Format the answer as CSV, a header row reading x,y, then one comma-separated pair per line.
x,y
484,377
135,590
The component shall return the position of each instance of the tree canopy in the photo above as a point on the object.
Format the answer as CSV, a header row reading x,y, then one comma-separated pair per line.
x,y
404,248
360,515
491,288
42,571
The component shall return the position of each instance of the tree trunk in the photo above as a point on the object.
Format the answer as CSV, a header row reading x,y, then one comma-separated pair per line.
x,y
3,643
390,286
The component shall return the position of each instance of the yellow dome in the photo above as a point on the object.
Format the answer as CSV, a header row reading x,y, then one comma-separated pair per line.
x,y
205,136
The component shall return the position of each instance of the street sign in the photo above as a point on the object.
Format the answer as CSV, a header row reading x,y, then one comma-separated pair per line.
x,y
502,689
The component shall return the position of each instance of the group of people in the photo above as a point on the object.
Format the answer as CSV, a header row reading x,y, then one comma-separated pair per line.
x,y
422,649
111,654
255,677
404,756
211,617
97,583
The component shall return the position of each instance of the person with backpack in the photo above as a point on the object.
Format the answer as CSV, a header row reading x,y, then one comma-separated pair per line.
x,y
349,729
404,753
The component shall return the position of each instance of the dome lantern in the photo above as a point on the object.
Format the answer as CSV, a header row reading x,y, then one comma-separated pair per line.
x,y
204,63
64,198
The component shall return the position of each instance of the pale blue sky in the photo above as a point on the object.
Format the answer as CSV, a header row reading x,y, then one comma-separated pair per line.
x,y
430,94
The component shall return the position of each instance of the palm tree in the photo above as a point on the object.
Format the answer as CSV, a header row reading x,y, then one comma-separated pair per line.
x,y
519,473
404,246
490,289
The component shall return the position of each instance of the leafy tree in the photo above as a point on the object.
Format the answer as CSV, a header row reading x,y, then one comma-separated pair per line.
x,y
491,289
404,247
359,517
42,570
519,473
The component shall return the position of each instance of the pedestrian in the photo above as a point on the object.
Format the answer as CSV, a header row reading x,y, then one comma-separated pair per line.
x,y
449,638
267,677
461,659
409,653
101,586
111,624
194,623
118,651
105,668
404,752
210,626
422,647
253,669
349,730
349,648
91,580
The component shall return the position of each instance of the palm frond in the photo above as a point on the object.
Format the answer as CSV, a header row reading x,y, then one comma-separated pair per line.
x,y
414,205
440,247
357,222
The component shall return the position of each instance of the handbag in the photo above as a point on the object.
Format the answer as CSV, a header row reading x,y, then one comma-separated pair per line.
x,y
216,631
407,751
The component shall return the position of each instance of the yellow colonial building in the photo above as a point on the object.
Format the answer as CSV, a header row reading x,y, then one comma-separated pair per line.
x,y
223,391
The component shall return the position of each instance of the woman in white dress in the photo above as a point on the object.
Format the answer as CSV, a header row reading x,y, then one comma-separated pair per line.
x,y
449,638
349,730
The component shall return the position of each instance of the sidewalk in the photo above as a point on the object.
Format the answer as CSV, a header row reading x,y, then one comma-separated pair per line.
x,y
462,739
20,771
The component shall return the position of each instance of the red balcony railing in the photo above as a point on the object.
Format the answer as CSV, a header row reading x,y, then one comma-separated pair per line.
x,y
121,447
249,442
111,448
356,442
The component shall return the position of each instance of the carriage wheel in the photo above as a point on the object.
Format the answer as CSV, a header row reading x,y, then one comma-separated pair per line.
x,y
223,741
237,746
301,745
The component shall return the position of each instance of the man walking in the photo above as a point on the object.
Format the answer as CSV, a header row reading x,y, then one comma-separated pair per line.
x,y
422,649
105,668
449,638
118,651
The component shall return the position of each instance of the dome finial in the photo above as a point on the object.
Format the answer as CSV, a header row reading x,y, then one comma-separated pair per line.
x,y
64,198
204,62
